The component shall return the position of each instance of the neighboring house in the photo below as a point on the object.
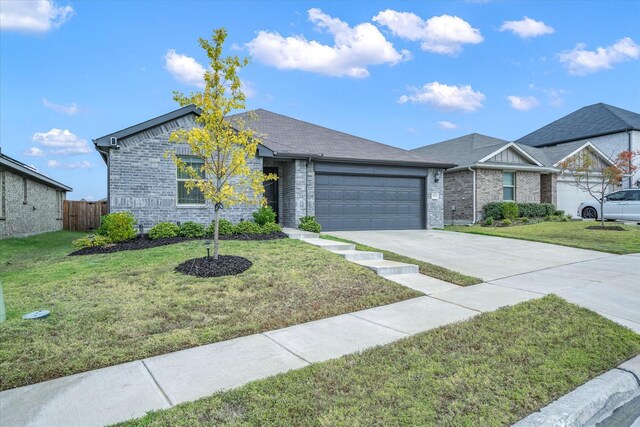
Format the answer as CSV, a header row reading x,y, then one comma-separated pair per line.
x,y
568,195
611,129
489,170
30,203
347,182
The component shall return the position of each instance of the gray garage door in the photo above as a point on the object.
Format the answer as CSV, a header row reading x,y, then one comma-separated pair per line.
x,y
360,202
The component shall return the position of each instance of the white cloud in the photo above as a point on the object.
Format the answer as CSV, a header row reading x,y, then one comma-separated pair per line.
x,y
580,61
354,49
187,70
33,152
59,108
522,103
443,34
444,124
36,16
62,142
445,97
527,28
54,164
184,68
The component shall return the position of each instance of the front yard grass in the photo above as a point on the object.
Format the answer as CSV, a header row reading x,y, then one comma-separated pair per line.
x,y
491,370
112,308
425,268
574,234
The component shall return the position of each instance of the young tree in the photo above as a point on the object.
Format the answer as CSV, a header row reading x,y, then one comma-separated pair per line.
x,y
225,146
591,175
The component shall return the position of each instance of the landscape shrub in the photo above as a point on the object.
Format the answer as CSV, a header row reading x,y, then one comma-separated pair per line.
x,y
488,221
510,210
506,222
309,223
91,241
164,230
493,210
118,227
191,229
271,227
525,219
264,215
248,227
526,210
225,228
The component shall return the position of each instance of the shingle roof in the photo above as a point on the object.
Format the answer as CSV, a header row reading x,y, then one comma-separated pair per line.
x,y
24,169
587,122
287,136
463,151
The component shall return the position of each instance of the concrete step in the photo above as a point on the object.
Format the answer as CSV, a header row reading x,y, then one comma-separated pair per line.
x,y
383,267
420,282
359,255
294,233
330,244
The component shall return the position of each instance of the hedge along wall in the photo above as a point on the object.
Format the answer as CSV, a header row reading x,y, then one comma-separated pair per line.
x,y
528,210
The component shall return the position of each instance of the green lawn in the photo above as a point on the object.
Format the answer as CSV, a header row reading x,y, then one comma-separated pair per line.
x,y
426,268
492,370
572,234
112,308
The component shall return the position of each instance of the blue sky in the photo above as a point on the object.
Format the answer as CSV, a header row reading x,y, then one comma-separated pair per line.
x,y
403,73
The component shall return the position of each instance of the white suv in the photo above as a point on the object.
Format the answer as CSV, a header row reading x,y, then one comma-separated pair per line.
x,y
623,205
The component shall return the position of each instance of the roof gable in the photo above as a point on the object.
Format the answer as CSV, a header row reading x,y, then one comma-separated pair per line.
x,y
600,158
590,121
510,153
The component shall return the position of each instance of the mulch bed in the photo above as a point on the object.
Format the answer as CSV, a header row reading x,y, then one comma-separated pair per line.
x,y
144,242
606,227
225,265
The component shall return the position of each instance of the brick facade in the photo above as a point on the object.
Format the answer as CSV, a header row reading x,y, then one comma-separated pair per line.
x,y
39,212
458,192
489,187
548,188
296,184
142,180
435,199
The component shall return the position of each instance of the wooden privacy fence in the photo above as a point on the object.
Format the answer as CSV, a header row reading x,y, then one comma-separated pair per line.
x,y
82,216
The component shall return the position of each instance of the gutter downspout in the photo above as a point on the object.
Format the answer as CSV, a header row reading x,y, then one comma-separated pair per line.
x,y
474,193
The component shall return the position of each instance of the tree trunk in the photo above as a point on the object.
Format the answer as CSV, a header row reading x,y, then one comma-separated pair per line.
x,y
602,210
215,235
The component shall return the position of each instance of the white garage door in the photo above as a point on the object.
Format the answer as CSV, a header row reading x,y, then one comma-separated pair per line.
x,y
570,197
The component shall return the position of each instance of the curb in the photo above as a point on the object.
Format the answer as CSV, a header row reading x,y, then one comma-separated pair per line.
x,y
593,401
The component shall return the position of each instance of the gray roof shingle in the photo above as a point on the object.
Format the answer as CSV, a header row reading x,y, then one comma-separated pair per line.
x,y
590,121
287,136
463,151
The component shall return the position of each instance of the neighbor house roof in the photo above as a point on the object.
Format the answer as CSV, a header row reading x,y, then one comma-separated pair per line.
x,y
288,137
554,154
26,170
587,122
474,150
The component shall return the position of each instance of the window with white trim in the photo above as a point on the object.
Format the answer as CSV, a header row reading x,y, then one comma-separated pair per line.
x,y
508,186
195,196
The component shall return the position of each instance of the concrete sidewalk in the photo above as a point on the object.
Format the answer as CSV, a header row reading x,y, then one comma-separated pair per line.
x,y
129,390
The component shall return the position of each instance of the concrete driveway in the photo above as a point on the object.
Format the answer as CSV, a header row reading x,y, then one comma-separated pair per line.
x,y
608,284
486,257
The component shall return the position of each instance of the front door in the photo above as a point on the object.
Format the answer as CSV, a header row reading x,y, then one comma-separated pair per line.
x,y
271,191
